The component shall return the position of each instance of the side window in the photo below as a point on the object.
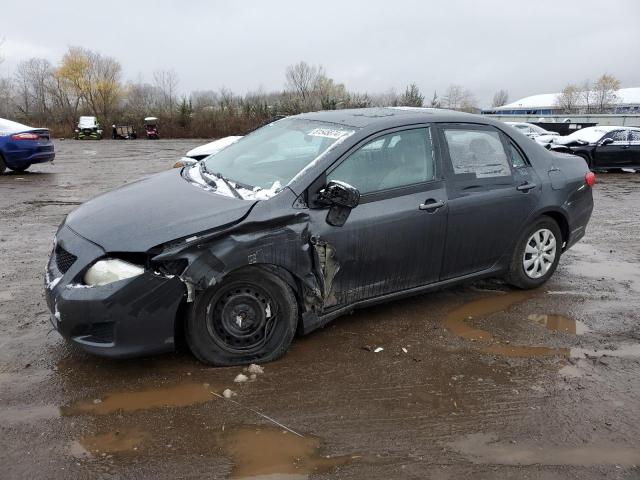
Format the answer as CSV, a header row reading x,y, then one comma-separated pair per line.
x,y
517,160
617,135
477,152
394,160
634,136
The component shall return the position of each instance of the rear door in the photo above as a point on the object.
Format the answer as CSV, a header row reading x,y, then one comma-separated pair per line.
x,y
394,239
634,149
615,154
492,190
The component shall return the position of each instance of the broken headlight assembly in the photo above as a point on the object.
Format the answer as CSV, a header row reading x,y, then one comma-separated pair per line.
x,y
110,270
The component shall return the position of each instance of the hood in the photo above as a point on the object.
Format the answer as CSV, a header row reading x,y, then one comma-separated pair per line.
x,y
213,147
153,211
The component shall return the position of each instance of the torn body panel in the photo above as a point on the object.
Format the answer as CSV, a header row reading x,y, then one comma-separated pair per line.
x,y
281,243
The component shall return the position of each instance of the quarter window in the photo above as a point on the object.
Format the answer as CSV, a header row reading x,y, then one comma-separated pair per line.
x,y
517,160
634,135
477,152
394,160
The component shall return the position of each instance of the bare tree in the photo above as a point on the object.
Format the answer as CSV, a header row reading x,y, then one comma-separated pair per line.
x,y
33,78
569,98
302,79
166,81
459,98
585,97
411,97
604,93
500,98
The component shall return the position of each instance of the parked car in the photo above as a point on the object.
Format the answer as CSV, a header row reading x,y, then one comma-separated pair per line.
x,y
203,151
306,219
533,131
603,147
88,129
21,146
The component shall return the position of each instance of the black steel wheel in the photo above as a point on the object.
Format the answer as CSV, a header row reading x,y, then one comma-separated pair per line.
x,y
250,317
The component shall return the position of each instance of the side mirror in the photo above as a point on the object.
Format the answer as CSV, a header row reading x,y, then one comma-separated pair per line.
x,y
341,198
607,141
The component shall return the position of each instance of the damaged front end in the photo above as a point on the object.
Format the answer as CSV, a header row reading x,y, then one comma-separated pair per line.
x,y
114,317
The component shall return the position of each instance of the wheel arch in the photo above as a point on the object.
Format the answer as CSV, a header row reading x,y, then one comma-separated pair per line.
x,y
295,283
562,222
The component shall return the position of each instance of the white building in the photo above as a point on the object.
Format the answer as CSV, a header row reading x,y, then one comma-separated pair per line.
x,y
547,104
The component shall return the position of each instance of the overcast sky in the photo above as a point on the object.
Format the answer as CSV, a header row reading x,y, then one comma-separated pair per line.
x,y
524,46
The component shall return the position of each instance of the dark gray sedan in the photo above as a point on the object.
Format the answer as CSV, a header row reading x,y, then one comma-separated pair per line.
x,y
306,219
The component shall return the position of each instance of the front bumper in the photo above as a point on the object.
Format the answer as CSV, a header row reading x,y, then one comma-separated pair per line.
x,y
126,318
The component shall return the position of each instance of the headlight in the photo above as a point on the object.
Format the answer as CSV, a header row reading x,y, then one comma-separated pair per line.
x,y
185,162
111,270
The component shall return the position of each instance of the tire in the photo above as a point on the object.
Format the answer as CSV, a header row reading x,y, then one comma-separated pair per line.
x,y
3,166
20,169
533,244
214,329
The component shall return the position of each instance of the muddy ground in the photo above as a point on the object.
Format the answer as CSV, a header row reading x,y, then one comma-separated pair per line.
x,y
492,383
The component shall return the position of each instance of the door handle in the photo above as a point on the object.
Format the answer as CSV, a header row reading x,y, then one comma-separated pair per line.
x,y
624,147
525,187
432,204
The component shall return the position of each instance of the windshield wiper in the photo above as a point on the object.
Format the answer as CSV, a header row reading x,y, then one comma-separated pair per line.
x,y
234,190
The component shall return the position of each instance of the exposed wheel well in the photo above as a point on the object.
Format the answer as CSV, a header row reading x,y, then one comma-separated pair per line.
x,y
285,275
562,222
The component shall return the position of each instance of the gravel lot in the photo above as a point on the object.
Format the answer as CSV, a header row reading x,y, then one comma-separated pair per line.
x,y
494,383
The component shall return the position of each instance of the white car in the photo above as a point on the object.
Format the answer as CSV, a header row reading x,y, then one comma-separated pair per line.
x,y
535,132
203,151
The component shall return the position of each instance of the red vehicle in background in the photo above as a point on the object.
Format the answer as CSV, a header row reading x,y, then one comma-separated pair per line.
x,y
151,127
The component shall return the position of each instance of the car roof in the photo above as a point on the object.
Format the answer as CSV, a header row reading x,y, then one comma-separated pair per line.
x,y
386,117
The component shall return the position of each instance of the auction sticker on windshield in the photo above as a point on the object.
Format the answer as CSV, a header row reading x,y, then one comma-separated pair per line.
x,y
328,133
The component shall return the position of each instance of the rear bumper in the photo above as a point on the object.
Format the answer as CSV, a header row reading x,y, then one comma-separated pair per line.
x,y
127,318
24,158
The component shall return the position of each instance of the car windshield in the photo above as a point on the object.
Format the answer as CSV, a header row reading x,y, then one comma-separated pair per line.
x,y
271,156
538,129
589,134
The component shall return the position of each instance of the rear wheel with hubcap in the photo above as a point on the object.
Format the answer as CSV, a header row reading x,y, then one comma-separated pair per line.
x,y
537,255
250,317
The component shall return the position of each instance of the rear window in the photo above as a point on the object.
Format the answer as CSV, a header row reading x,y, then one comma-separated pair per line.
x,y
477,152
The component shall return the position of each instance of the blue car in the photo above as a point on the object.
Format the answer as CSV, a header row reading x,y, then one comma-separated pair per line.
x,y
22,146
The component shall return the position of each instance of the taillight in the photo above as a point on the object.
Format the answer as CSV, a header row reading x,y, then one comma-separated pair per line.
x,y
590,178
25,136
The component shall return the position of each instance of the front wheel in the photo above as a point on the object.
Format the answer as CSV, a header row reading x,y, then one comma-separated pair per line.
x,y
537,255
250,317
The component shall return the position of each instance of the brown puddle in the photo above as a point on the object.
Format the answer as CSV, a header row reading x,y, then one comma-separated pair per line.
x,y
482,448
108,443
178,396
559,323
456,323
269,452
456,319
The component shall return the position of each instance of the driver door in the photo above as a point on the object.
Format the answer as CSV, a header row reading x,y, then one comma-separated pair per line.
x,y
615,154
394,239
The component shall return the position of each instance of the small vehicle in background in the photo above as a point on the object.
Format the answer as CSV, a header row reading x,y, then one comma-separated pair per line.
x,y
21,146
123,132
88,129
151,128
603,147
535,132
203,151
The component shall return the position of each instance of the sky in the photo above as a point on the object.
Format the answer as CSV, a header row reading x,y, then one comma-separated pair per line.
x,y
524,46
